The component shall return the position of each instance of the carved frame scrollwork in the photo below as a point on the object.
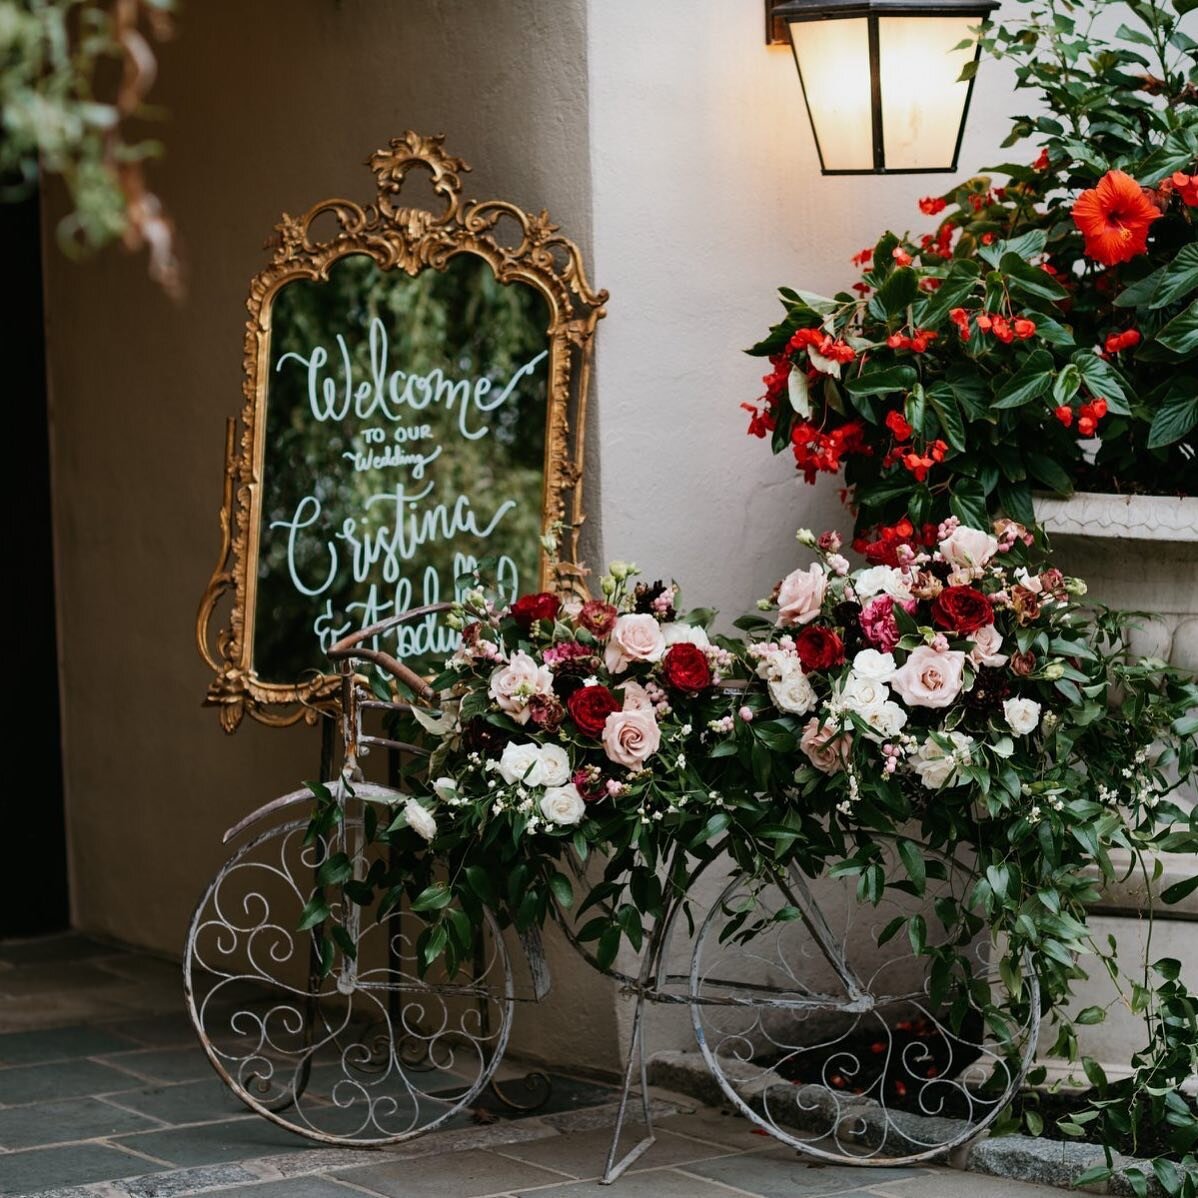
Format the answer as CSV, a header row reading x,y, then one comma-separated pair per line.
x,y
522,248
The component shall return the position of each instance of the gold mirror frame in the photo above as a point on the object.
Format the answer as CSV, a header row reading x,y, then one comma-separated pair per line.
x,y
411,240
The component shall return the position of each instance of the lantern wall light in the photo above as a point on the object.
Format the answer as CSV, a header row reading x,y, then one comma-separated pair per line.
x,y
882,78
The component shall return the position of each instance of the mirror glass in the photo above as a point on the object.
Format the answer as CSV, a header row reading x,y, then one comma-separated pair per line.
x,y
404,446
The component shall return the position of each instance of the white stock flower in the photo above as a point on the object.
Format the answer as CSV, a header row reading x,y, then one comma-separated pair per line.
x,y
936,766
869,663
563,804
676,633
882,580
790,690
1022,715
419,820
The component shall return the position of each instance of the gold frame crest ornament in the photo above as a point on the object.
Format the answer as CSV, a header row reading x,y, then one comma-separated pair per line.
x,y
521,248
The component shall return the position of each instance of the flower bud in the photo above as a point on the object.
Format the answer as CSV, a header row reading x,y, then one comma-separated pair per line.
x,y
806,537
1076,586
1053,671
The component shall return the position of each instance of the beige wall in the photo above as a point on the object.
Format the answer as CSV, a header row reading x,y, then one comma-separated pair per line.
x,y
273,105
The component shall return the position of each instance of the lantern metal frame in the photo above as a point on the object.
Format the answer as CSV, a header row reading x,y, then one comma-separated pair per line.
x,y
780,13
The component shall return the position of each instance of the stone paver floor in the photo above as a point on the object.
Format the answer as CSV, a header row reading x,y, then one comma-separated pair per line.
x,y
105,1093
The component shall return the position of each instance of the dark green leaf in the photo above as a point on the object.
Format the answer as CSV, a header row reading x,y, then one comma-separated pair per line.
x,y
1181,333
882,382
1032,379
1174,420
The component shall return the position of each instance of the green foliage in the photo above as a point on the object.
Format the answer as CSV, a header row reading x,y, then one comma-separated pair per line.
x,y
61,116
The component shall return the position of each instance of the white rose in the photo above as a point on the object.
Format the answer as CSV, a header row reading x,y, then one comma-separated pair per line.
x,y
1022,715
445,789
690,634
513,684
869,663
419,820
987,641
859,694
634,637
885,719
790,690
935,765
522,763
970,547
555,766
563,804
801,595
930,679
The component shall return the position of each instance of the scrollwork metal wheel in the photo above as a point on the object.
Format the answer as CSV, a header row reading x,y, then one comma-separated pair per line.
x,y
822,1025
371,1053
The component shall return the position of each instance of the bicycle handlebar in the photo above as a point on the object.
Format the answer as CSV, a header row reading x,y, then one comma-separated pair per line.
x,y
351,646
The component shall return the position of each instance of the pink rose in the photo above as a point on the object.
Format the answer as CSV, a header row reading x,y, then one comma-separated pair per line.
x,y
930,679
631,737
513,685
801,595
878,622
635,637
987,641
826,749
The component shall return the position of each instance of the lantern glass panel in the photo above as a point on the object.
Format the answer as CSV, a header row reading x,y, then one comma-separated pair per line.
x,y
833,62
922,101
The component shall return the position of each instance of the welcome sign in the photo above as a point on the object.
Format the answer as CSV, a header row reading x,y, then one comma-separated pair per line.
x,y
405,447
415,389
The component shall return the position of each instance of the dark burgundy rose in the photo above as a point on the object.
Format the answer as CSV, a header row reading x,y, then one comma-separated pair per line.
x,y
590,706
528,609
598,618
685,668
546,711
847,614
989,689
819,648
480,736
961,609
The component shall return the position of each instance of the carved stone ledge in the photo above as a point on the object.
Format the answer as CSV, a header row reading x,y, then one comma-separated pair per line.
x,y
1092,514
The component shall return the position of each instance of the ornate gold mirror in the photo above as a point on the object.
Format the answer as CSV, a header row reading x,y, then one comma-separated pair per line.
x,y
415,394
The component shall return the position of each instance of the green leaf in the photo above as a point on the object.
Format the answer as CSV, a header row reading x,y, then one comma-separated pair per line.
x,y
1103,380
882,382
432,898
480,883
1174,420
315,911
1179,890
944,404
913,862
1015,498
1090,1015
1093,1174
1031,380
968,504
1049,472
1181,333
1179,278
899,291
335,870
609,945
1031,280
563,892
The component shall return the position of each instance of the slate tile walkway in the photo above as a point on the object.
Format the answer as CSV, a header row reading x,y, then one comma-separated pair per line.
x,y
105,1093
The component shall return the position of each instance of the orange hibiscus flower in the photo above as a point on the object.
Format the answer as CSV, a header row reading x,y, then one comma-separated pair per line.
x,y
1114,218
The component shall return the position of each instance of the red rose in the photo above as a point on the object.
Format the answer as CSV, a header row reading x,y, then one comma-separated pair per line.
x,y
598,618
819,648
528,609
962,609
590,706
685,668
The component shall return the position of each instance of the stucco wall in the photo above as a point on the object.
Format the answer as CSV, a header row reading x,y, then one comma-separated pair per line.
x,y
272,106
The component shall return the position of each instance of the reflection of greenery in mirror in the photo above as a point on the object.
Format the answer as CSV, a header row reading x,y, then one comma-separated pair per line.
x,y
387,391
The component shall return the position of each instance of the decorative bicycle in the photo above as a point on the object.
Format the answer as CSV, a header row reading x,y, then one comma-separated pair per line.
x,y
829,1036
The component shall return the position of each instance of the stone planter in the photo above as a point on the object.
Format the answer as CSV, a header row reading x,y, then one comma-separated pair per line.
x,y
1137,553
